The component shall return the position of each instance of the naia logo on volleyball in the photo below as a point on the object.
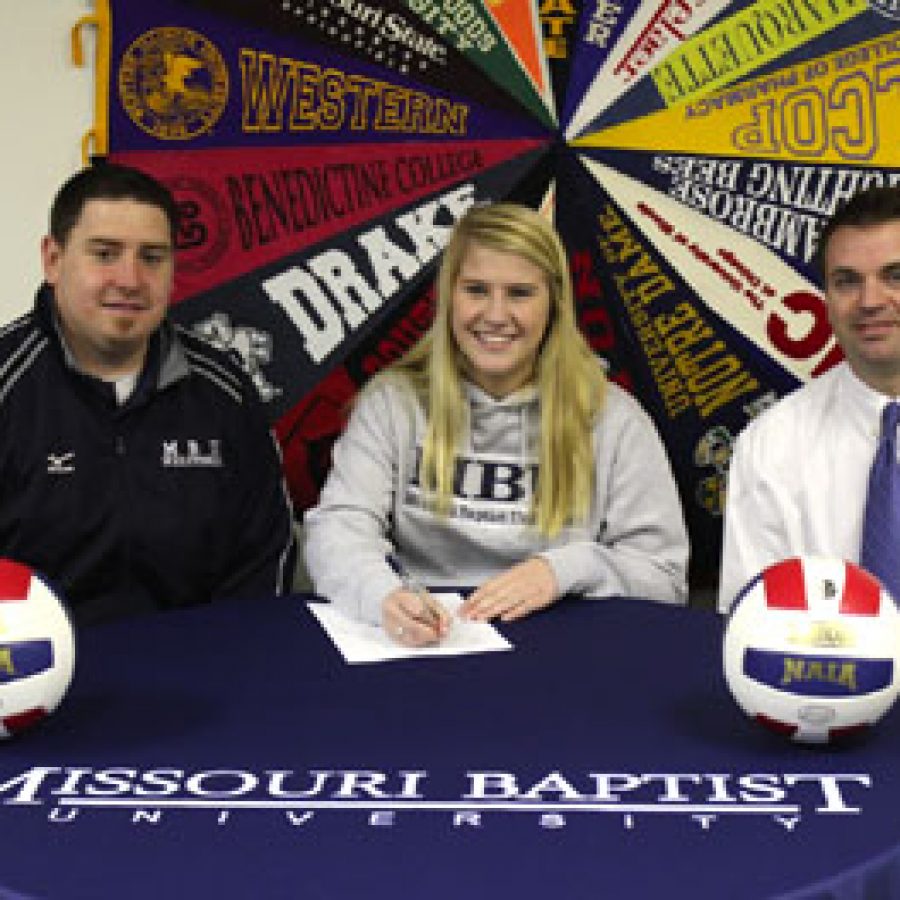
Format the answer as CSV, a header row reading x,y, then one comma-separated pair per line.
x,y
821,676
841,674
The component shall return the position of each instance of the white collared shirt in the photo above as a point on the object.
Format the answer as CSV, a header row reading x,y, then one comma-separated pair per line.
x,y
124,387
798,478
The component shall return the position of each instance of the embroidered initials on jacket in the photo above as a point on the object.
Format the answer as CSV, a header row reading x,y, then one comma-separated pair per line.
x,y
192,453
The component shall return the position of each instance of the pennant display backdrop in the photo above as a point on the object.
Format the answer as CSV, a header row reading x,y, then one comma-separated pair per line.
x,y
322,150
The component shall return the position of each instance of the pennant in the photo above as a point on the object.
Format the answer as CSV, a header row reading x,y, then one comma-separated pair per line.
x,y
733,276
241,210
839,108
655,31
521,26
559,20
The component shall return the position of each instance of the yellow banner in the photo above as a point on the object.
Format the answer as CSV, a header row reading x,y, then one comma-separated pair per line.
x,y
758,34
838,108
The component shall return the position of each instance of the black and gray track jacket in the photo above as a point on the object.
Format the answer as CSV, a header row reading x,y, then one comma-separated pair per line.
x,y
174,498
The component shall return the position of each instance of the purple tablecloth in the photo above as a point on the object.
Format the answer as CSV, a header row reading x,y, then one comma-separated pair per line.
x,y
229,752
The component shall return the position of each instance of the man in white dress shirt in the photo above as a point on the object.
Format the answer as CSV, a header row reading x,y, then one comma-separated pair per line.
x,y
799,473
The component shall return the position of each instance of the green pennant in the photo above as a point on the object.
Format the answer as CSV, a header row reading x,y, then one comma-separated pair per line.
x,y
469,28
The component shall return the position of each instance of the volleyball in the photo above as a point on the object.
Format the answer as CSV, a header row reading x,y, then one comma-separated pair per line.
x,y
812,648
37,648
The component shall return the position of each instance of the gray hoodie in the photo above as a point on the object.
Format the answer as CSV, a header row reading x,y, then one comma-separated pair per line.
x,y
372,507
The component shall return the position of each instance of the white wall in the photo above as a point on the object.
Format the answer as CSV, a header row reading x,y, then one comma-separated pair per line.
x,y
47,106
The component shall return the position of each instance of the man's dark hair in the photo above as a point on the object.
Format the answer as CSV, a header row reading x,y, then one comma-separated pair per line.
x,y
107,181
872,206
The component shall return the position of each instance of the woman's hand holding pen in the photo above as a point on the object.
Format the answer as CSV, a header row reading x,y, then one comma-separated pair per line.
x,y
413,617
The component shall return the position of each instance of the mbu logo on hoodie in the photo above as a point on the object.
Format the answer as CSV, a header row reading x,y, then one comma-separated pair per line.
x,y
485,478
496,469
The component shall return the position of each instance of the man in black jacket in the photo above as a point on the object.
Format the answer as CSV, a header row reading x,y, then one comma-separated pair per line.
x,y
137,470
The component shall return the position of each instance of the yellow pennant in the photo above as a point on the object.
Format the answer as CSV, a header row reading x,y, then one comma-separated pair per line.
x,y
838,108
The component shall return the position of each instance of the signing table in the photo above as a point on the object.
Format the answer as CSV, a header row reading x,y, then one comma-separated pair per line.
x,y
229,752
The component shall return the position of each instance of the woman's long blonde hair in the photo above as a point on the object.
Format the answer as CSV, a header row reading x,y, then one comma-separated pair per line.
x,y
569,378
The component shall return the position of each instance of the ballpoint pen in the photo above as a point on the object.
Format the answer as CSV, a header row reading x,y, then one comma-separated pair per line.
x,y
415,586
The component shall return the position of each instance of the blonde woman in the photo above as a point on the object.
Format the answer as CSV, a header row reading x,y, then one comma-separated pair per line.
x,y
495,455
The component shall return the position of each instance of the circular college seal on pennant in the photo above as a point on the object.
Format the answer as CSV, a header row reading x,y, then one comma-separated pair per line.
x,y
173,83
203,229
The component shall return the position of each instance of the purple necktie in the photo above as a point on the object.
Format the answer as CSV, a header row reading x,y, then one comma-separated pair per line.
x,y
880,552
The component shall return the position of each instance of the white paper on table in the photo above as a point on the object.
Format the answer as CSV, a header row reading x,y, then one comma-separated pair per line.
x,y
359,642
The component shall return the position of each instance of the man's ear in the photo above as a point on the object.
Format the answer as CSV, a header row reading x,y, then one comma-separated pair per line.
x,y
50,255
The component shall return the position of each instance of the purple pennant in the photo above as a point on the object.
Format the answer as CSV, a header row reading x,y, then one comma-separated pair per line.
x,y
881,524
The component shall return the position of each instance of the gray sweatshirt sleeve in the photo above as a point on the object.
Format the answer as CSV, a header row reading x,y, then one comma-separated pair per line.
x,y
346,534
640,546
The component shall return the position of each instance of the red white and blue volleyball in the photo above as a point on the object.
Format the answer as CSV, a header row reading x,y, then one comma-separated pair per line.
x,y
37,648
812,649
